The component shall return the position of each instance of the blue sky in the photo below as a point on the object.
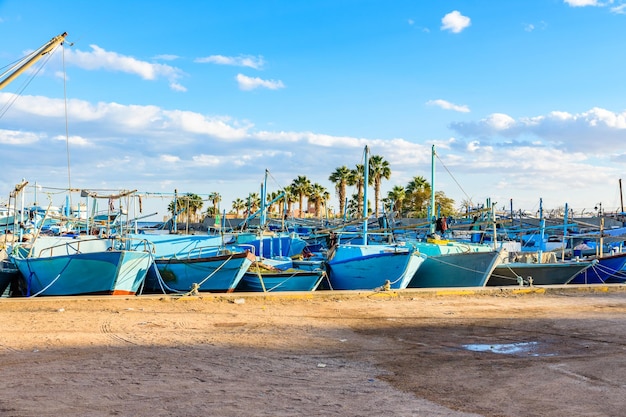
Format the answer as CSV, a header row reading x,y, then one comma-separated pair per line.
x,y
523,99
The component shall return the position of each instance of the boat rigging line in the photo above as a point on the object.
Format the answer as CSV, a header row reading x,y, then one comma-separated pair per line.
x,y
453,178
67,135
20,66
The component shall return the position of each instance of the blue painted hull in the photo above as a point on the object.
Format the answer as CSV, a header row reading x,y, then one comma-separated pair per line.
x,y
542,274
470,269
367,267
289,280
110,272
609,269
220,273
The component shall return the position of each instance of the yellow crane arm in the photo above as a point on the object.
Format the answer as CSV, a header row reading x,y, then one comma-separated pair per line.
x,y
53,43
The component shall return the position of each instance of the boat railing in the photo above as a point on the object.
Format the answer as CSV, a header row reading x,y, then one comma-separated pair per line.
x,y
133,244
247,246
373,237
69,247
81,245
203,251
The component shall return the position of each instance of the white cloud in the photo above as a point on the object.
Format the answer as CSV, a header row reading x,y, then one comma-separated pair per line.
x,y
256,62
207,160
171,159
99,58
455,22
473,146
582,3
13,137
530,27
150,148
117,120
596,130
251,83
73,140
167,57
595,3
192,122
178,87
621,9
446,105
499,121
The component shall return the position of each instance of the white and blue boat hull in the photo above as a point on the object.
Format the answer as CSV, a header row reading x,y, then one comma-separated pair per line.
x,y
115,272
218,273
367,267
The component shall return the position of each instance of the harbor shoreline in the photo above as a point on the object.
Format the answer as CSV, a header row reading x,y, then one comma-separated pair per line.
x,y
409,353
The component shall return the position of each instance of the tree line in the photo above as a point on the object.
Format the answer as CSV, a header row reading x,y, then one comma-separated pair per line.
x,y
411,200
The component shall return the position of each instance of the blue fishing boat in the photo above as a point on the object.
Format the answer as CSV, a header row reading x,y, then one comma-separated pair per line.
x,y
261,278
54,266
220,272
609,269
368,267
451,263
454,264
537,273
193,262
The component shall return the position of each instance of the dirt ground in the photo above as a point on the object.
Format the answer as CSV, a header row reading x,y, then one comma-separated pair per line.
x,y
551,352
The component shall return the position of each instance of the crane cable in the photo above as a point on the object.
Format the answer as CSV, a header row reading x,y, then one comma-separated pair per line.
x,y
26,82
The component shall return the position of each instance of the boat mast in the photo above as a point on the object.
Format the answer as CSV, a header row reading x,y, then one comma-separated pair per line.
x,y
621,197
35,56
542,231
565,220
366,168
263,204
432,190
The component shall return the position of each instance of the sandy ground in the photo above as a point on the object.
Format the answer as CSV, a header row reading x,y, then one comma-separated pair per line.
x,y
413,353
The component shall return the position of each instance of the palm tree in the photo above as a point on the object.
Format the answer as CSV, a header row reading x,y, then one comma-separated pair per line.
x,y
418,194
318,194
357,178
379,170
216,198
290,197
270,197
354,206
239,205
341,178
255,201
189,204
194,205
301,187
211,211
417,183
397,195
